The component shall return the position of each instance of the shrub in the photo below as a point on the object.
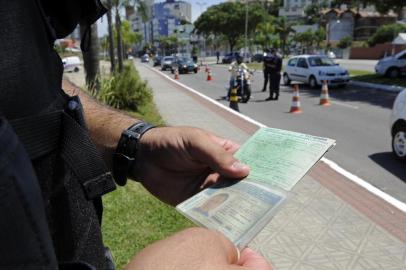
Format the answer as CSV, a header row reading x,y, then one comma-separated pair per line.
x,y
345,42
125,90
386,33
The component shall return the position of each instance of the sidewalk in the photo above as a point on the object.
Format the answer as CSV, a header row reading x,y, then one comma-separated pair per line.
x,y
330,222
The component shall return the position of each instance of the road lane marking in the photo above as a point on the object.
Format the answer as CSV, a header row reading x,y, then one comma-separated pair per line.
x,y
345,104
334,166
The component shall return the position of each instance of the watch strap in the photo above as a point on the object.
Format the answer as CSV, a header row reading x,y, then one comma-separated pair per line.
x,y
126,151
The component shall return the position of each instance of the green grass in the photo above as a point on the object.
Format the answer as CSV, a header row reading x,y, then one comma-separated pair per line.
x,y
354,72
132,217
375,78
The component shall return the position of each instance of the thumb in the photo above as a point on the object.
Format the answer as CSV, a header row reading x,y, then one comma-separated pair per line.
x,y
215,153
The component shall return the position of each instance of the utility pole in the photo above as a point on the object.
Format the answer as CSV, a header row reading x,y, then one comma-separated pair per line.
x,y
246,29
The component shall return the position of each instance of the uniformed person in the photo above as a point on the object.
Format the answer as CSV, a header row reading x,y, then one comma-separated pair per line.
x,y
272,73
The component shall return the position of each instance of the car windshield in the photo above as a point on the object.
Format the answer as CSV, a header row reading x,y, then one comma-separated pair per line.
x,y
320,61
187,60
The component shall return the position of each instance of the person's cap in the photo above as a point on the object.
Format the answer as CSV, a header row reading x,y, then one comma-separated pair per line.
x,y
267,50
273,50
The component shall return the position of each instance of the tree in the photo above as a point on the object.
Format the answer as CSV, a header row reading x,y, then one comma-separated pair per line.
x,y
265,34
110,38
283,27
319,36
128,36
386,33
345,42
91,56
228,19
306,39
313,11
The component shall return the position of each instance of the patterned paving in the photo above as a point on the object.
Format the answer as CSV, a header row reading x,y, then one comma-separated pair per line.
x,y
317,230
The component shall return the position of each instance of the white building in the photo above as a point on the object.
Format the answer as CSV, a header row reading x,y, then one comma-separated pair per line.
x,y
294,9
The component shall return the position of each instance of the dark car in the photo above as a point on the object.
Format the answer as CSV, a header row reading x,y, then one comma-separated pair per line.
x,y
259,57
229,58
157,61
184,65
166,62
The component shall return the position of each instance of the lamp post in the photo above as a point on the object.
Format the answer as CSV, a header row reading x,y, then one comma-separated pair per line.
x,y
328,27
201,5
246,29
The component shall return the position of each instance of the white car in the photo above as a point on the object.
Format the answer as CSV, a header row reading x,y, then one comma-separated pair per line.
x,y
314,69
392,66
71,63
398,126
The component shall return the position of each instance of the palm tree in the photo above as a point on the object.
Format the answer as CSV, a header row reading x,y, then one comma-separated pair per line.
x,y
265,33
111,41
145,13
283,27
91,56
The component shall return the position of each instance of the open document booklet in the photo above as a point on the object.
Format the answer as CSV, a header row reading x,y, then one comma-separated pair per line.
x,y
278,160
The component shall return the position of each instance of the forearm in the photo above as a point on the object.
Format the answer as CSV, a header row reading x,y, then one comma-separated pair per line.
x,y
105,123
194,248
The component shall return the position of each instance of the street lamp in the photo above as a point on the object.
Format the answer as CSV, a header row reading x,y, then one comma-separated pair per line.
x,y
201,5
246,29
328,27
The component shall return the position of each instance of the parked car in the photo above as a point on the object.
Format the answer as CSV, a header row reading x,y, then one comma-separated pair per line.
x,y
184,65
314,69
166,62
392,66
398,126
145,58
71,63
157,60
229,58
259,57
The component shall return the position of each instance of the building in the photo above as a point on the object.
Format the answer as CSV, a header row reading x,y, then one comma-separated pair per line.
x,y
295,9
164,19
358,24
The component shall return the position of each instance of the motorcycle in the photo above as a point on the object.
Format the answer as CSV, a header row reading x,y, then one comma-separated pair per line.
x,y
243,84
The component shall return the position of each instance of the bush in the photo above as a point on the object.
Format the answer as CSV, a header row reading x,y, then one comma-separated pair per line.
x,y
345,42
386,33
125,90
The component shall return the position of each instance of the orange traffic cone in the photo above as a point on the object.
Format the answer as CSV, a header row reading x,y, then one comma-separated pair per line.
x,y
176,74
209,77
324,98
234,99
295,107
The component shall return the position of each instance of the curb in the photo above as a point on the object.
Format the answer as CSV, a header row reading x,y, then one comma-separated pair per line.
x,y
377,86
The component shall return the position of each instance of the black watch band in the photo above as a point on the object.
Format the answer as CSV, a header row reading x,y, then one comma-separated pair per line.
x,y
126,151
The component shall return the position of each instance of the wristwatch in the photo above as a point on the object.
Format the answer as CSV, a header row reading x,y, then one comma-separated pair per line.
x,y
126,151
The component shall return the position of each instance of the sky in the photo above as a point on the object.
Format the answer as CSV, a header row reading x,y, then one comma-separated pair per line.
x,y
197,8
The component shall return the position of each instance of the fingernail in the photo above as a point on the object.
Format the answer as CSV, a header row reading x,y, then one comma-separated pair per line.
x,y
238,165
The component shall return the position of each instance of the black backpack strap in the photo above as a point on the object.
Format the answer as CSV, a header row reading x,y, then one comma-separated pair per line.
x,y
44,133
24,235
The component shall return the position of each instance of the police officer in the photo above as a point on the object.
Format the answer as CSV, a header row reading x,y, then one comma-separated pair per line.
x,y
267,60
272,72
52,176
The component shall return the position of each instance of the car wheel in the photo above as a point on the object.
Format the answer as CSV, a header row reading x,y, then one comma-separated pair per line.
x,y
76,69
393,72
195,70
399,143
313,82
286,79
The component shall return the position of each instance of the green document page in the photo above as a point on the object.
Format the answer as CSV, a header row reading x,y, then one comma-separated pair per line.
x,y
278,160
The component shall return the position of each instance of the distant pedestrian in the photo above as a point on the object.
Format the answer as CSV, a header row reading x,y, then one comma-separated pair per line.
x,y
218,56
272,72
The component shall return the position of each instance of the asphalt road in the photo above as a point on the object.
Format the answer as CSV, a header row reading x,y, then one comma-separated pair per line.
x,y
358,119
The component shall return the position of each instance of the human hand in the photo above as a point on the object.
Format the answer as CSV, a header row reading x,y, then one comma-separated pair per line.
x,y
198,249
174,163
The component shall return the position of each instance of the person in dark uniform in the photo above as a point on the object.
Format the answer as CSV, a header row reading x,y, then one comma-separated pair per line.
x,y
267,61
218,56
52,175
274,67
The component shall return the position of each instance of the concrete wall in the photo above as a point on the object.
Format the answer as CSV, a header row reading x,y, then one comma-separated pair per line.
x,y
376,52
